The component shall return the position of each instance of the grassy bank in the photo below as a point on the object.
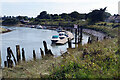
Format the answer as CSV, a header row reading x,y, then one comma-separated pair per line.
x,y
97,60
100,61
110,29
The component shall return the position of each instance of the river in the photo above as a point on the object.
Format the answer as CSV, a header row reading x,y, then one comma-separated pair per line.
x,y
29,39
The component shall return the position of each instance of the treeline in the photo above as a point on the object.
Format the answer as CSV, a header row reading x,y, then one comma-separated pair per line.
x,y
63,19
71,16
11,20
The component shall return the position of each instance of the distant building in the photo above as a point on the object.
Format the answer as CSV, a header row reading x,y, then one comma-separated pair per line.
x,y
24,21
115,19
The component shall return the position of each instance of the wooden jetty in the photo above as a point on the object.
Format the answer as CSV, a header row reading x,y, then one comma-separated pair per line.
x,y
65,40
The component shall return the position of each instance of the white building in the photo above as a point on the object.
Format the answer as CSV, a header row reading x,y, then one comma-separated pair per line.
x,y
115,18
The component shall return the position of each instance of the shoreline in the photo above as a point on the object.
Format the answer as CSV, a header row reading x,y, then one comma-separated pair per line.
x,y
3,30
90,32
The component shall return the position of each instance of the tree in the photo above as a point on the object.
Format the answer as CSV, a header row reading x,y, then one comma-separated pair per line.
x,y
97,15
65,16
55,16
75,15
44,15
11,21
19,17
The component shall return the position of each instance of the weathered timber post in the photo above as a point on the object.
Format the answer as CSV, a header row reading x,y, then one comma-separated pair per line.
x,y
78,35
8,52
45,47
5,63
34,55
97,38
75,36
42,53
81,34
0,59
18,53
23,54
69,43
50,52
11,63
88,40
8,61
13,56
104,37
71,30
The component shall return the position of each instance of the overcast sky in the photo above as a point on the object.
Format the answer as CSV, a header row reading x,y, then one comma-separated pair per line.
x,y
32,8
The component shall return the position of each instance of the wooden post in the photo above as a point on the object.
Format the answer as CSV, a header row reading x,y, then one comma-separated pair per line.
x,y
104,37
11,63
18,53
42,53
0,59
23,54
34,55
78,35
71,30
13,56
81,34
88,40
8,61
75,36
50,52
5,63
69,43
8,52
97,38
45,47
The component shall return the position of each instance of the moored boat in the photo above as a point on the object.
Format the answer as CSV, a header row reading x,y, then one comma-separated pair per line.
x,y
39,27
62,35
55,38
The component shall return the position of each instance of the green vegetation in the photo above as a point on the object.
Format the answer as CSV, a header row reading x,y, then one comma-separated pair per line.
x,y
105,27
10,22
97,60
100,61
98,15
64,19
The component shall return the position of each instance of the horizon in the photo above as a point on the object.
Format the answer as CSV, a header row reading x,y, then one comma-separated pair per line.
x,y
32,9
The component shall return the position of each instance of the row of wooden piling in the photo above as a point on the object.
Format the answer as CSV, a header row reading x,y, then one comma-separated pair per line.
x,y
9,62
79,35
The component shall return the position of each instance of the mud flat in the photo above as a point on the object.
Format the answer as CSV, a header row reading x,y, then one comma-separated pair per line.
x,y
100,35
3,30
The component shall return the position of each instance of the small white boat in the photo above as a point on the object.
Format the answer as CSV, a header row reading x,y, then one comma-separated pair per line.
x,y
62,38
55,38
39,27
32,26
63,35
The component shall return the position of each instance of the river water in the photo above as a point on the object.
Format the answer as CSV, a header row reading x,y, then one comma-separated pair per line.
x,y
29,39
